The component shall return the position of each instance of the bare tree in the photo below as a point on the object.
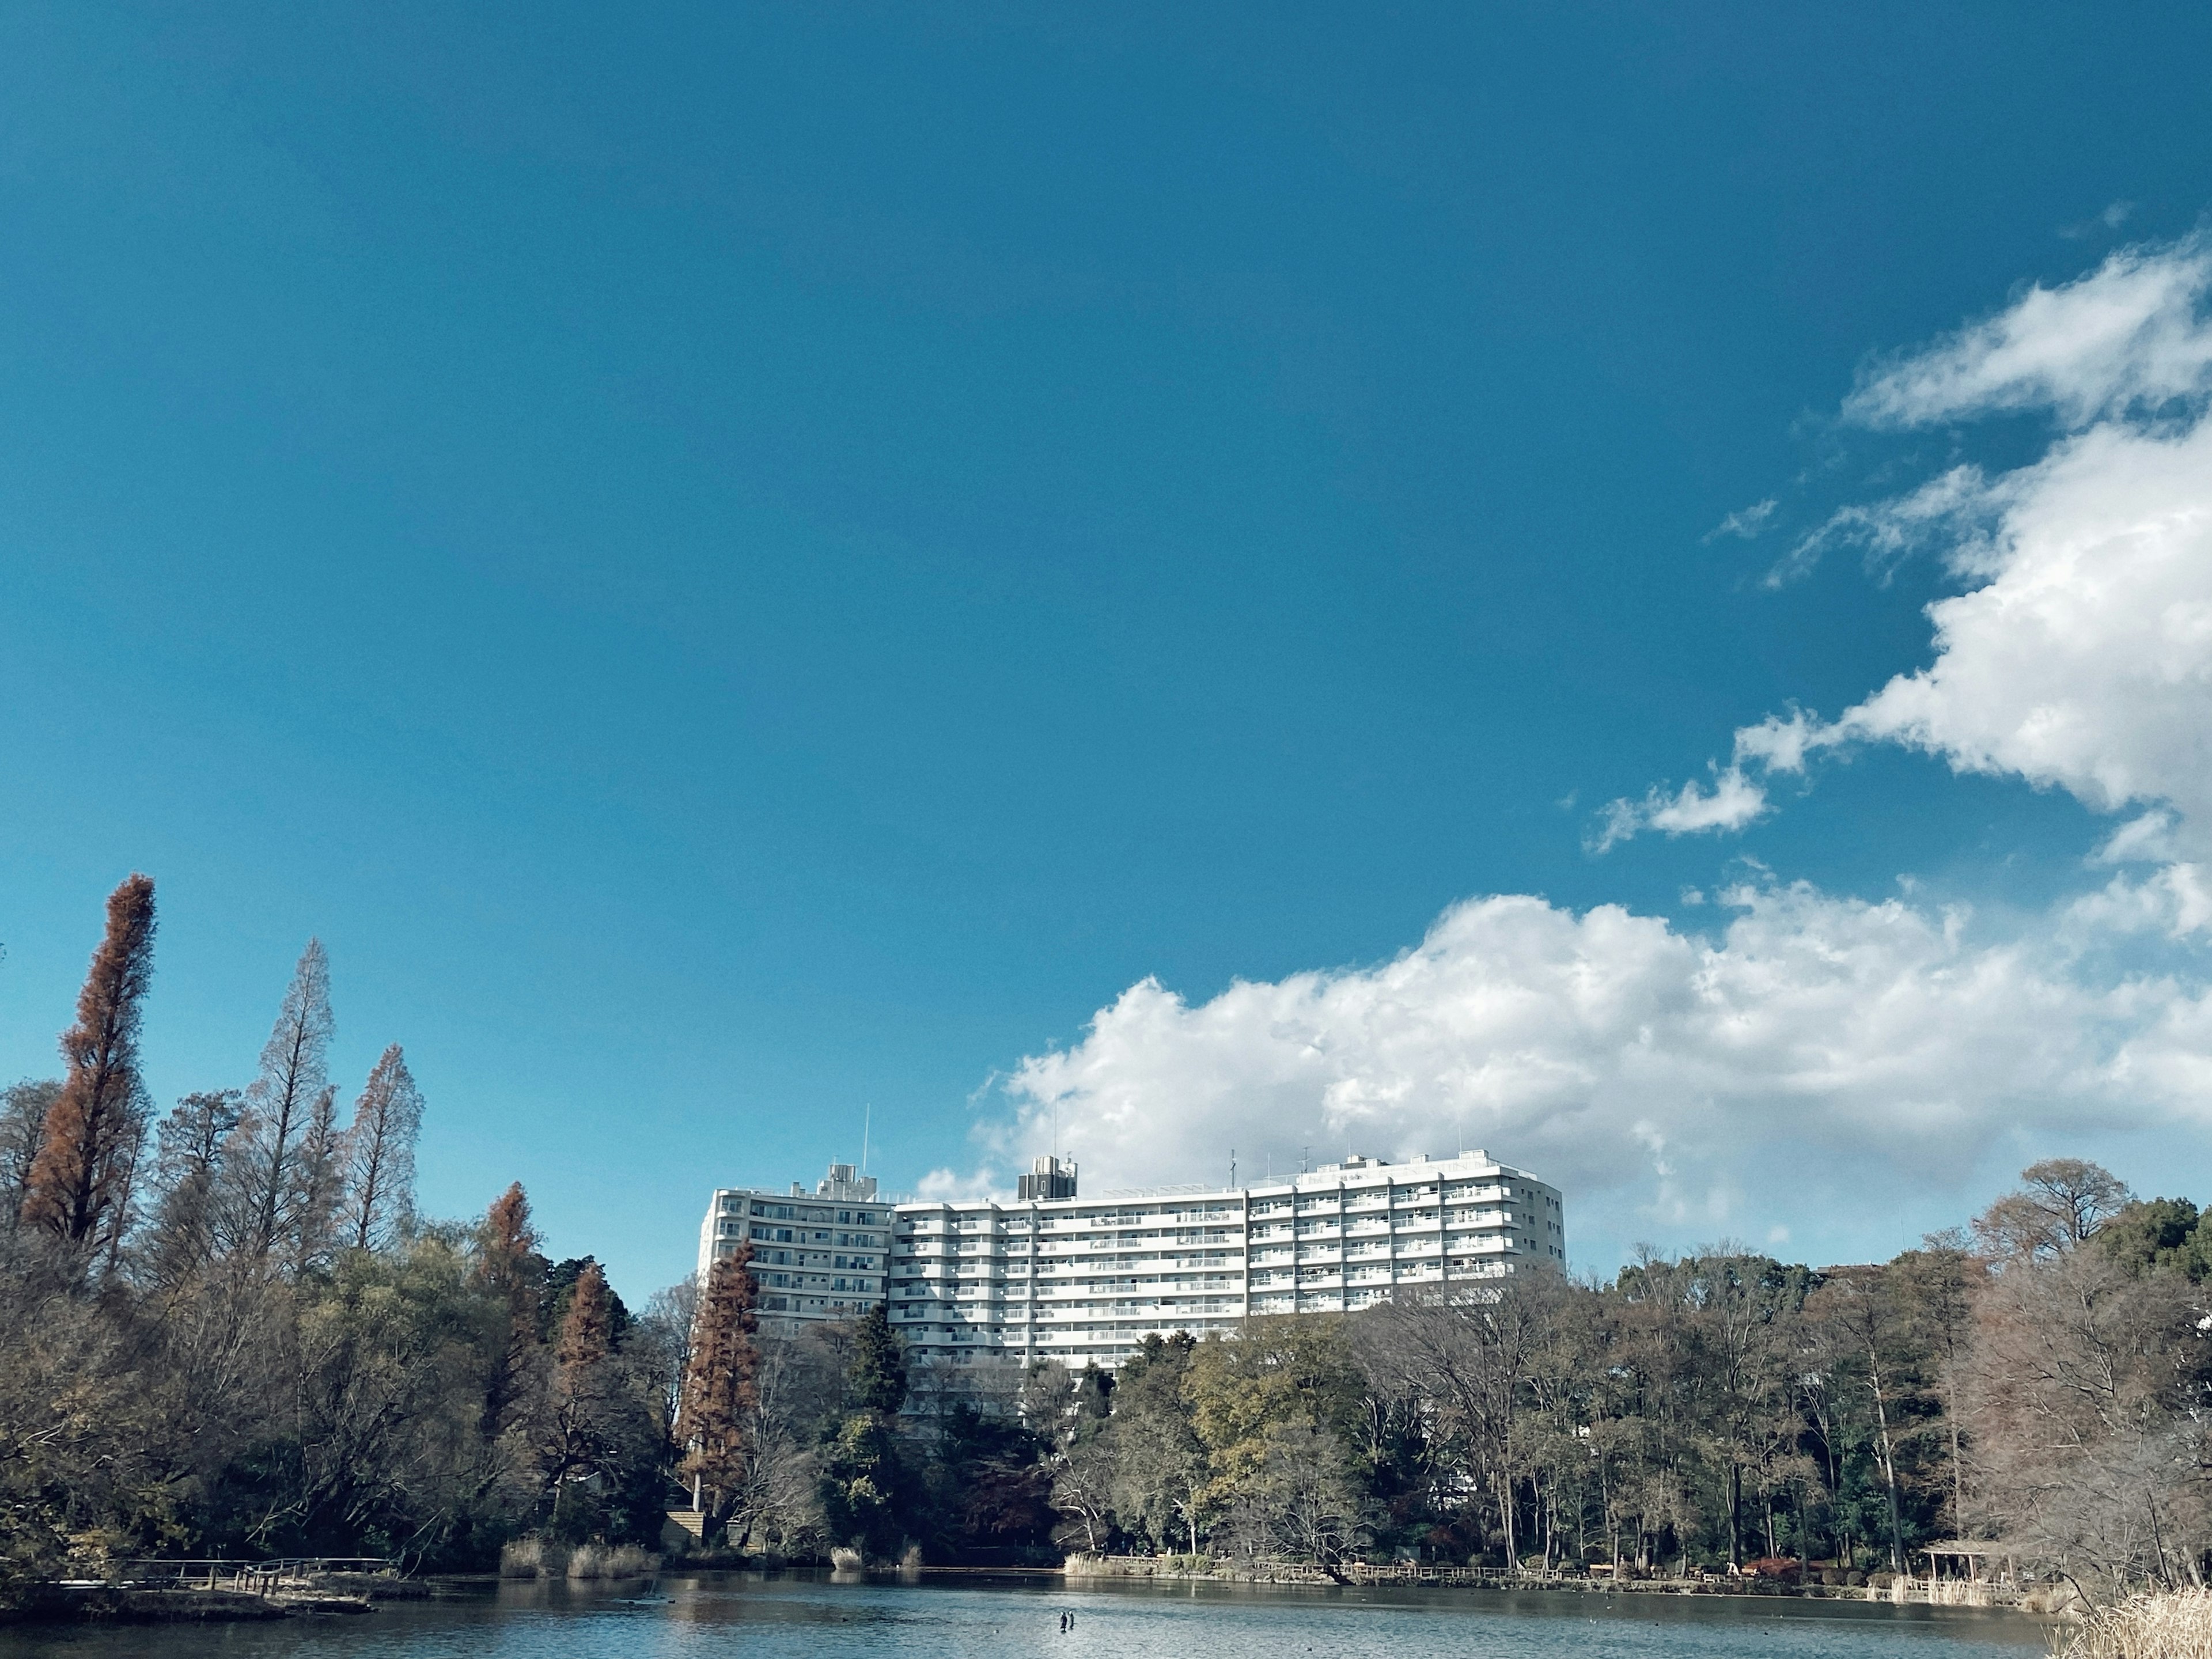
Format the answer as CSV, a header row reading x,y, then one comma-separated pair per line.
x,y
190,1146
2062,1203
320,1185
379,1196
1862,1318
662,1342
269,1165
79,1189
2087,1407
1082,1489
23,1109
771,1494
1470,1358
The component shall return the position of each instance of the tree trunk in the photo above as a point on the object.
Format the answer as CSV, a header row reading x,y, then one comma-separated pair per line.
x,y
1735,1513
1889,1464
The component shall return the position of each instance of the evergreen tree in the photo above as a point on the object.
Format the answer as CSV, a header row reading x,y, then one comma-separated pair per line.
x,y
79,1189
866,1488
879,1364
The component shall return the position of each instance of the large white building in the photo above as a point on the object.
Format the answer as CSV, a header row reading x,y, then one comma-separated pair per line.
x,y
1053,1275
1082,1279
817,1255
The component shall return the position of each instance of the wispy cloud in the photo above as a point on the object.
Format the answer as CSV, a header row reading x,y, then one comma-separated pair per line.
x,y
1745,523
2110,219
2131,332
1888,533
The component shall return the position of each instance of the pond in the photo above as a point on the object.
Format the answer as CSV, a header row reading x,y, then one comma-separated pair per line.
x,y
790,1617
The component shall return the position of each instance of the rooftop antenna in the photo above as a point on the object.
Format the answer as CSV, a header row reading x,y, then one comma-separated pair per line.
x,y
1232,1168
867,1122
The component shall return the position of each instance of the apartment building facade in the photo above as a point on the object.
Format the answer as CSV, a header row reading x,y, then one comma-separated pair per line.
x,y
1086,1280
817,1256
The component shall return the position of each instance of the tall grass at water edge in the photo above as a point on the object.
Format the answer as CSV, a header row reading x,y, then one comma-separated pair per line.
x,y
534,1557
2157,1625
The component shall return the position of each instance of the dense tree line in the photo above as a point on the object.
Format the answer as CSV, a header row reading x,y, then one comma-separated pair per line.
x,y
230,1334
2041,1378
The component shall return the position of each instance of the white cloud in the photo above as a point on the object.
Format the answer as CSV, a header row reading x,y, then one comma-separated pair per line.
x,y
1732,802
1745,523
2114,215
2084,661
2130,332
1889,531
949,1186
2145,839
1819,1045
2080,656
2174,902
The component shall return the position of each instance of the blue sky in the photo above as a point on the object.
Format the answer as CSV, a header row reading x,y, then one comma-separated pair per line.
x,y
738,566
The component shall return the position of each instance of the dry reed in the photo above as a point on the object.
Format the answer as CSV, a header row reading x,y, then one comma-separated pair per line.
x,y
616,1561
2159,1625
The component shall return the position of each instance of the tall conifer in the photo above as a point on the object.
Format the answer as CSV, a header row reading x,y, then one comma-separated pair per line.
x,y
80,1182
588,1329
381,1151
509,1263
720,1390
270,1165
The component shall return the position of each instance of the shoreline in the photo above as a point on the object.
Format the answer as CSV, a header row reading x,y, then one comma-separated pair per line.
x,y
125,1604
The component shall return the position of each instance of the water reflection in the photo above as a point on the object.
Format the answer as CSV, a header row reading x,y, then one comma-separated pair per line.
x,y
680,1617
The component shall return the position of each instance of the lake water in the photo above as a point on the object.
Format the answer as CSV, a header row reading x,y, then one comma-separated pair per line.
x,y
747,1617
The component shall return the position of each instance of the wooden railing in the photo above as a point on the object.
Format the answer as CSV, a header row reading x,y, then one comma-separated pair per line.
x,y
253,1578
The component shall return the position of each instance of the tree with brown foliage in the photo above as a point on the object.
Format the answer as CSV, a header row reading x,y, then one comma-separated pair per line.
x,y
380,1148
719,1393
587,1330
80,1184
509,1263
2086,1403
574,1429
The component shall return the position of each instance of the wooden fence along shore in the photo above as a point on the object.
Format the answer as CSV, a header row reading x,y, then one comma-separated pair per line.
x,y
190,1590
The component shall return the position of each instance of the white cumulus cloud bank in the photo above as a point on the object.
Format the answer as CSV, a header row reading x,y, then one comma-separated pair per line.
x,y
1829,1046
1819,1056
2078,655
